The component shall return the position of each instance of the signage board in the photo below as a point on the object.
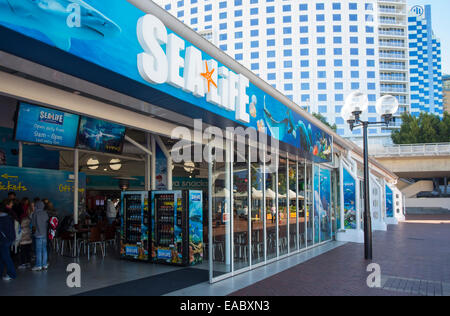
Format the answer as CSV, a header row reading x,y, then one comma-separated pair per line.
x,y
98,135
41,125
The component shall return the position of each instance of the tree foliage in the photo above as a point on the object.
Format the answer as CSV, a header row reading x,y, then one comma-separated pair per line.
x,y
427,128
323,119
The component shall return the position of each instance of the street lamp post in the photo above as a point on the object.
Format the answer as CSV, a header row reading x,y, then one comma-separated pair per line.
x,y
356,104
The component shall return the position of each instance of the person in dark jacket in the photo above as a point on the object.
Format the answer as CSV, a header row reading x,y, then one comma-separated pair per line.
x,y
17,208
7,237
39,222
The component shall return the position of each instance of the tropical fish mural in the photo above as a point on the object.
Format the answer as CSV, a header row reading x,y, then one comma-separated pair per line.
x,y
50,17
318,144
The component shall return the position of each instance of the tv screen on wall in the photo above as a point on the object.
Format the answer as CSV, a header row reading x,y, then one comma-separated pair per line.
x,y
101,136
46,126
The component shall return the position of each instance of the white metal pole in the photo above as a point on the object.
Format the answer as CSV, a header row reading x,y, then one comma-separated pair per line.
x,y
228,207
153,163
210,215
264,176
341,194
148,162
76,185
249,204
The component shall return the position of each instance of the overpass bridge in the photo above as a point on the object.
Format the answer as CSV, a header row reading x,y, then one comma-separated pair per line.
x,y
421,168
418,161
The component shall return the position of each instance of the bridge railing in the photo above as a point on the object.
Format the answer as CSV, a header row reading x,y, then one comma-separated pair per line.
x,y
420,150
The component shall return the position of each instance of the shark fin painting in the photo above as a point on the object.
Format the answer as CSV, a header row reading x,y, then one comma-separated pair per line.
x,y
279,129
50,17
305,135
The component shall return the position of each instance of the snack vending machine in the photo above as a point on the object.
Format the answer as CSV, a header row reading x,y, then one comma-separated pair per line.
x,y
177,227
135,220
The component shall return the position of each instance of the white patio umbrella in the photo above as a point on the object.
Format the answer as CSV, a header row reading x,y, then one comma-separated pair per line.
x,y
256,194
270,194
222,194
292,195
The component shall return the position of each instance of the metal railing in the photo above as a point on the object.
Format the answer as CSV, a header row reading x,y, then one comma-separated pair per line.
x,y
419,150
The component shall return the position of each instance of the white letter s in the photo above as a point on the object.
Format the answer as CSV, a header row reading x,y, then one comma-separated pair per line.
x,y
152,64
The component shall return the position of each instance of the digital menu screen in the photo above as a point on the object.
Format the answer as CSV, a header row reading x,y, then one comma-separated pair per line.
x,y
41,125
101,136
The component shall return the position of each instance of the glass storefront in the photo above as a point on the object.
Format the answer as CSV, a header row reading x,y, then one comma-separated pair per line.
x,y
263,210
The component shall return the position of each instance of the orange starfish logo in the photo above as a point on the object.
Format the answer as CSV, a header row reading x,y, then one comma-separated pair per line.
x,y
208,76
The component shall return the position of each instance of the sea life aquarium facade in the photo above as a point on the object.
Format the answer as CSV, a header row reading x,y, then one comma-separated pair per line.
x,y
132,63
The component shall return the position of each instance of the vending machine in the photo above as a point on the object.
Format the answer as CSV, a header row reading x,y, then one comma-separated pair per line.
x,y
135,223
177,227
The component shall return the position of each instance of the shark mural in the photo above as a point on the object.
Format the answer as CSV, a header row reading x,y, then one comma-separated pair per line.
x,y
50,17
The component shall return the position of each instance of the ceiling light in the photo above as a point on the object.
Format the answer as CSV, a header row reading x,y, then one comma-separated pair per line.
x,y
115,164
92,163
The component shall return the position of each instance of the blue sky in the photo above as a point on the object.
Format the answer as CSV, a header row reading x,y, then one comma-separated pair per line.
x,y
441,25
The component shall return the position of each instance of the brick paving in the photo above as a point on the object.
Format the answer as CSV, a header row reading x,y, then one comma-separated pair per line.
x,y
414,258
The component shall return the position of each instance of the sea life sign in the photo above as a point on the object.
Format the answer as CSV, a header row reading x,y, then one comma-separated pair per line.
x,y
136,48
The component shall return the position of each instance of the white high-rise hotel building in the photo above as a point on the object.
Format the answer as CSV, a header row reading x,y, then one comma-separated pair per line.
x,y
314,51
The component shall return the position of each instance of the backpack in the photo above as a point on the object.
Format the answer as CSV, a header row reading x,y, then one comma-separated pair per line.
x,y
52,227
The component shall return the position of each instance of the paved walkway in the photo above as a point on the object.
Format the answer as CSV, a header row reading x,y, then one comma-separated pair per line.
x,y
414,258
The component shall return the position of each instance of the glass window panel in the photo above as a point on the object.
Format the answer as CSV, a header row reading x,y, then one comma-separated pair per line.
x,y
336,204
301,204
292,213
282,207
271,208
221,211
316,198
240,207
325,204
257,214
309,204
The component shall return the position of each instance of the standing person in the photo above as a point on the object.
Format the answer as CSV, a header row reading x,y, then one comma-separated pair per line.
x,y
7,237
50,209
26,240
53,225
39,221
111,211
16,205
25,205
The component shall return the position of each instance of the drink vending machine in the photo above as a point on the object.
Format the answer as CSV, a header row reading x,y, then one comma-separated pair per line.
x,y
177,227
135,215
